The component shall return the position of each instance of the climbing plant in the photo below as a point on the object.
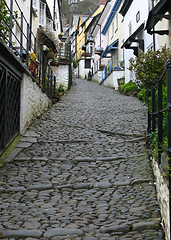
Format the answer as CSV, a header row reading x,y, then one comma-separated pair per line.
x,y
5,21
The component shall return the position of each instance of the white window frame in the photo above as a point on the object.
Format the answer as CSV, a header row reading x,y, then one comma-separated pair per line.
x,y
116,23
49,24
35,5
42,16
130,28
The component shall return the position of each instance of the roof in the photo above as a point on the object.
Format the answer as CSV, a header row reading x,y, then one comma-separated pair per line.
x,y
126,5
133,36
91,15
156,14
111,16
110,48
93,20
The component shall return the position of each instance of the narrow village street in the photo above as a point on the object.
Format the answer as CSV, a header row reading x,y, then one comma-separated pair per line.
x,y
82,172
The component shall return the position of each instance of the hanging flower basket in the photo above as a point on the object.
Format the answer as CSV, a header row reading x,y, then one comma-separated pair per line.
x,y
50,55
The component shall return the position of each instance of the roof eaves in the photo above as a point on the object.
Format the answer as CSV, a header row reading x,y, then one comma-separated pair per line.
x,y
126,5
111,16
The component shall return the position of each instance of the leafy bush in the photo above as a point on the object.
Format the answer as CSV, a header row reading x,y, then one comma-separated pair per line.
x,y
128,87
149,66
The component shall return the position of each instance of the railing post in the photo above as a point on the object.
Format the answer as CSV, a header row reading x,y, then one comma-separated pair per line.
x,y
51,77
70,68
44,73
40,65
169,129
27,48
149,112
54,84
153,110
34,44
10,32
21,37
48,76
160,119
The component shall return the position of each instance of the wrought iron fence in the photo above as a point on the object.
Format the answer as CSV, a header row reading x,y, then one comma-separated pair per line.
x,y
10,105
16,33
158,112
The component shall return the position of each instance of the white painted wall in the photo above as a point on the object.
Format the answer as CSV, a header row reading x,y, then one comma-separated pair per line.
x,y
130,17
83,72
111,80
62,74
33,102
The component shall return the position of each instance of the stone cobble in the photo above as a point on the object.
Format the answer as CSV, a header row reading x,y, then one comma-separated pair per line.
x,y
81,172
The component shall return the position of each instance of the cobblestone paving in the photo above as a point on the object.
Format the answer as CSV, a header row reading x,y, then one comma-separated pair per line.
x,y
82,172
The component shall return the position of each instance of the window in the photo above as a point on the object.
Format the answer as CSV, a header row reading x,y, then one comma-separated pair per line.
x,y
116,23
91,48
49,24
42,17
138,16
130,28
112,29
108,38
87,63
35,5
80,30
149,5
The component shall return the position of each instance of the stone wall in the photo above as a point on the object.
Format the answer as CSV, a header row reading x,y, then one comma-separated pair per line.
x,y
163,197
33,102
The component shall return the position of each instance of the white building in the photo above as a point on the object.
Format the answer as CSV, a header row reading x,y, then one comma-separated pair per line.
x,y
135,14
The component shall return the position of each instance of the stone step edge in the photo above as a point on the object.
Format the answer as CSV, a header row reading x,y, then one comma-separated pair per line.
x,y
83,185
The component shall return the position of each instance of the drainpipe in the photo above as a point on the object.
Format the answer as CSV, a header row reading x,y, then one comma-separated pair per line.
x,y
154,40
54,6
100,40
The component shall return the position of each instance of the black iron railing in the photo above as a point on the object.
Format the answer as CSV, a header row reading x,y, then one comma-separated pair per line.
x,y
16,33
157,110
157,114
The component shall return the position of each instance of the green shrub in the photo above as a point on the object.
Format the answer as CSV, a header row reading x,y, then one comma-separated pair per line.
x,y
128,87
149,66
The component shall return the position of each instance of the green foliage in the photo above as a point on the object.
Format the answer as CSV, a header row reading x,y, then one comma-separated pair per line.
x,y
142,95
5,21
75,64
149,66
128,87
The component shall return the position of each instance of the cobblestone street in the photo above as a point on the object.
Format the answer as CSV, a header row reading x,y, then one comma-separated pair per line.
x,y
82,172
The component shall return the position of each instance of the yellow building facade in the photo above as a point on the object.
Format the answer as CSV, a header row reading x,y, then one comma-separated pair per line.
x,y
83,23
